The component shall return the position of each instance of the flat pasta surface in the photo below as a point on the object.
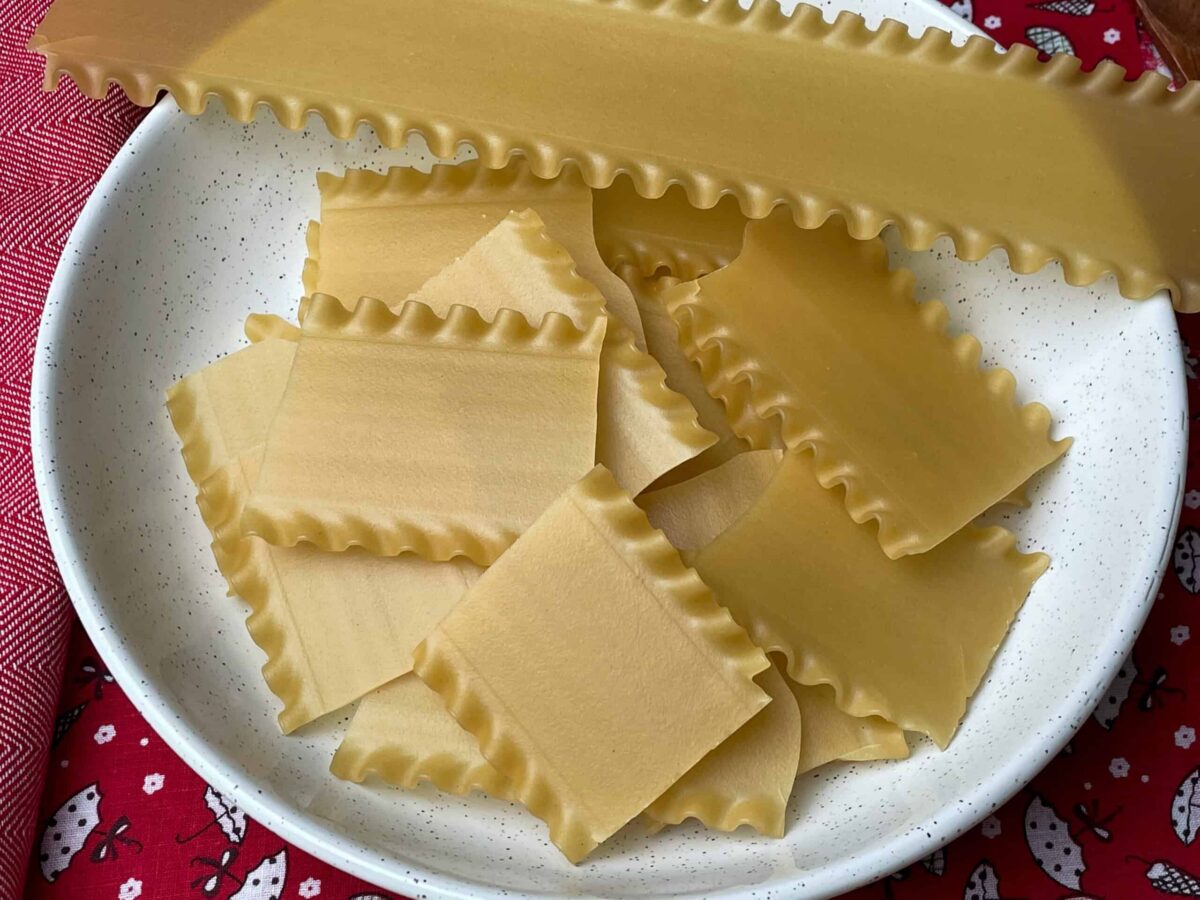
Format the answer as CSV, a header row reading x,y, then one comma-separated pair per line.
x,y
594,667
333,625
387,235
409,432
1102,175
831,734
403,734
747,779
812,330
510,260
907,639
664,233
224,410
682,375
693,513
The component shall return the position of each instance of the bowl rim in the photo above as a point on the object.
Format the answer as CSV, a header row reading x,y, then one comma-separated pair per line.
x,y
324,841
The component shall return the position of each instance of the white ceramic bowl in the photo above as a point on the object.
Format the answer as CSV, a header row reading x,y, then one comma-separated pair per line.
x,y
201,221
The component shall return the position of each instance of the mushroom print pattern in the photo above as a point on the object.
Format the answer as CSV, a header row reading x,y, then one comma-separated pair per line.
x,y
65,720
1049,40
1067,7
935,862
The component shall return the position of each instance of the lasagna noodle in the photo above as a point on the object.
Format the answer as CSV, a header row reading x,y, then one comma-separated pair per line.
x,y
682,375
747,779
823,344
667,233
831,734
1102,175
907,640
333,625
649,672
224,410
643,428
403,734
387,235
692,514
410,432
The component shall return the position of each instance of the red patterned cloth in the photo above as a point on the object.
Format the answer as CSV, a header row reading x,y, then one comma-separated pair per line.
x,y
1093,30
121,817
52,150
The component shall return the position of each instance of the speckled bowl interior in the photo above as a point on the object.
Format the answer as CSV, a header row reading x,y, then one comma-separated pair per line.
x,y
201,221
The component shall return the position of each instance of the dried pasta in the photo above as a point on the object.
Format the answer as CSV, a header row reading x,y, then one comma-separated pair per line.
x,y
407,432
547,659
810,331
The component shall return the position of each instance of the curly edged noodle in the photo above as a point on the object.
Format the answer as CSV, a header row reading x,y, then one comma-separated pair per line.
x,y
390,459
830,734
746,779
637,235
665,244
682,376
225,409
385,235
403,734
643,428
907,640
809,335
1101,177
692,514
333,625
589,756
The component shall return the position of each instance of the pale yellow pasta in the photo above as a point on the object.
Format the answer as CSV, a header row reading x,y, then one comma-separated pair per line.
x,y
683,375
667,233
810,332
386,235
333,625
747,779
403,734
407,432
693,513
224,410
830,733
705,95
906,639
507,260
592,665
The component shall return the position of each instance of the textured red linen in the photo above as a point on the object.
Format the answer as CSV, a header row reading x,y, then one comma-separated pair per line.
x,y
1122,792
52,150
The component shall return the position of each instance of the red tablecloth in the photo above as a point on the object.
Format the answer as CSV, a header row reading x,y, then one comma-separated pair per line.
x,y
1119,799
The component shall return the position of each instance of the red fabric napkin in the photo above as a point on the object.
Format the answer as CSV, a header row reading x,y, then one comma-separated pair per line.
x,y
1119,799
53,147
